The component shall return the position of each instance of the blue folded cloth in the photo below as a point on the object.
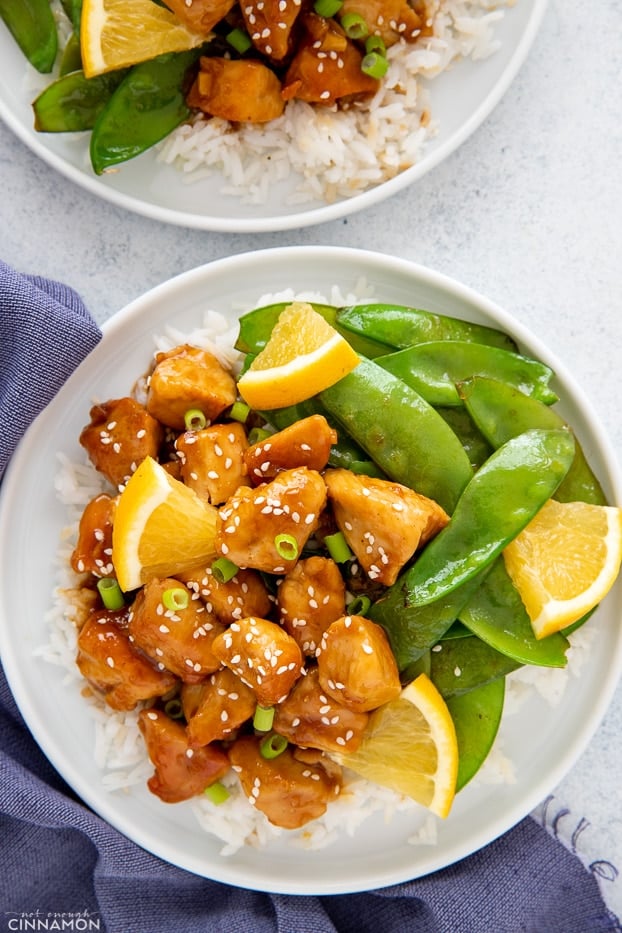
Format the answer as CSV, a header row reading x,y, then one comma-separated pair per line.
x,y
60,863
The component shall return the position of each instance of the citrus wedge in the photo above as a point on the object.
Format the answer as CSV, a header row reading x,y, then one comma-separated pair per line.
x,y
161,528
303,356
565,561
116,34
410,746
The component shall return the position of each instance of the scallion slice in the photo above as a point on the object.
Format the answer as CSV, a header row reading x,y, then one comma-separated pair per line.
x,y
374,65
338,547
354,26
327,8
175,598
272,745
257,435
224,569
359,606
239,412
263,718
174,709
194,419
375,44
217,793
111,594
239,40
286,546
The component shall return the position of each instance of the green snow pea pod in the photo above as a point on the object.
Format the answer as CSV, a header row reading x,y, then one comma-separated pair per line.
x,y
71,59
475,444
496,614
73,102
434,368
502,412
459,665
256,327
503,496
399,326
147,106
32,25
400,432
476,717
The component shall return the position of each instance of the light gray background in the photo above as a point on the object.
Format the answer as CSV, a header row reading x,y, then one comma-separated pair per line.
x,y
528,211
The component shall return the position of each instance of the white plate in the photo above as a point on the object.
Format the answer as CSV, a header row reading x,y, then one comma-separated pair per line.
x,y
460,100
542,741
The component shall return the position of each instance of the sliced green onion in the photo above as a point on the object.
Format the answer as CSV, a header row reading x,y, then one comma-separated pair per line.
x,y
194,419
354,26
338,547
174,709
224,569
375,44
256,435
374,65
286,546
239,412
217,793
359,606
272,745
175,598
111,594
263,718
327,8
239,40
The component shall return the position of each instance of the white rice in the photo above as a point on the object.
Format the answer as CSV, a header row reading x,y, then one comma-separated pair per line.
x,y
335,153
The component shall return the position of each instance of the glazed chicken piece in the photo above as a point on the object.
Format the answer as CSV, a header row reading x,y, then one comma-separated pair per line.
x,y
266,528
187,378
113,667
389,19
289,792
180,639
326,66
309,598
217,707
244,595
263,656
239,90
200,15
93,550
269,24
356,665
181,772
310,717
383,522
305,443
212,460
120,435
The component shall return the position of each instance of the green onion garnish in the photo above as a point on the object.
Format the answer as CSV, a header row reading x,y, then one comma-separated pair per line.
x,y
194,419
354,26
263,718
272,745
239,40
359,606
374,65
239,412
338,547
174,709
175,598
111,594
256,435
327,8
286,546
224,569
217,793
375,44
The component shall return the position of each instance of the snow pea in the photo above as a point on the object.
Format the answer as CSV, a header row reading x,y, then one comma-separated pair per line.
x,y
399,326
147,106
475,444
32,25
496,614
460,665
502,497
502,412
434,368
476,717
401,433
71,59
73,102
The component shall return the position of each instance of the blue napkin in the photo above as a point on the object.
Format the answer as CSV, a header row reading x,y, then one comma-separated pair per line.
x,y
61,864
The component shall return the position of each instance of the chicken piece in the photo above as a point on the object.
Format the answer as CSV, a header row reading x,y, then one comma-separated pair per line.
x,y
288,792
263,656
305,443
239,90
120,435
327,66
108,661
217,707
185,378
181,771
356,665
93,550
200,15
383,522
309,717
311,596
269,24
244,595
266,528
212,461
392,20
180,639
